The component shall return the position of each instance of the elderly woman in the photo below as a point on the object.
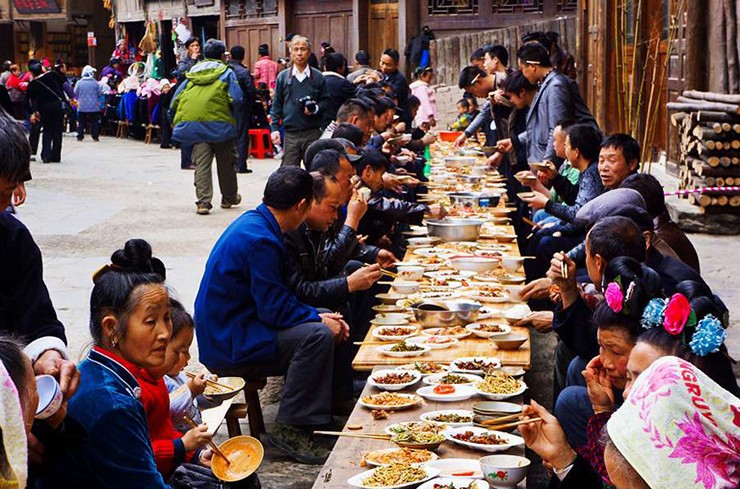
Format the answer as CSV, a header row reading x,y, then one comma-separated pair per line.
x,y
89,95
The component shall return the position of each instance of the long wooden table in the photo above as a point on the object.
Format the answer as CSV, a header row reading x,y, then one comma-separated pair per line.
x,y
346,457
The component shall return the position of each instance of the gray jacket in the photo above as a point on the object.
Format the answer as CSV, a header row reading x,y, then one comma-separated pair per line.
x,y
558,98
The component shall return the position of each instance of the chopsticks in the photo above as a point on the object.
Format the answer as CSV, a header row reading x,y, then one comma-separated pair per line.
x,y
384,272
363,343
211,382
563,267
371,436
213,446
531,222
491,423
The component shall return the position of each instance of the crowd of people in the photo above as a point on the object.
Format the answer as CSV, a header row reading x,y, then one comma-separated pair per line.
x,y
641,355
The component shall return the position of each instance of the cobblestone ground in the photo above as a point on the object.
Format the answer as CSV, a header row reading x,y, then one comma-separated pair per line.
x,y
104,193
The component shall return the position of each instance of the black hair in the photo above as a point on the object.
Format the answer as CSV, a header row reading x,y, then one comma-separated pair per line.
x,y
534,53
638,215
353,107
350,132
629,146
320,185
15,152
615,236
464,103
131,267
651,191
419,72
566,122
585,138
181,318
16,363
537,37
468,74
237,53
552,36
214,49
413,101
334,62
289,36
317,147
647,285
393,53
500,52
287,186
191,40
263,50
516,82
362,57
374,159
477,55
326,162
36,69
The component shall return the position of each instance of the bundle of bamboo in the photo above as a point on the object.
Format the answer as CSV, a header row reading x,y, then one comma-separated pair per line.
x,y
710,149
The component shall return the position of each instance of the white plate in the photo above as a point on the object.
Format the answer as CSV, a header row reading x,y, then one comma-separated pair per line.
x,y
411,263
371,463
436,332
451,274
473,327
385,350
393,387
501,397
487,312
410,366
460,412
462,392
489,300
378,333
493,360
418,233
356,481
434,379
434,427
390,318
516,313
512,440
413,400
424,341
482,278
449,466
456,482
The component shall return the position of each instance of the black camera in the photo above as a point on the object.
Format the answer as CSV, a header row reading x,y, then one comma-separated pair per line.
x,y
309,104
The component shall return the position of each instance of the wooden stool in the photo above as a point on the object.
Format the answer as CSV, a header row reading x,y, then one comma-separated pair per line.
x,y
250,410
122,131
151,130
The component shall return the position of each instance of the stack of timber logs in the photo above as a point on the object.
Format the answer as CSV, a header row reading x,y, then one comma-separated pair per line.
x,y
709,125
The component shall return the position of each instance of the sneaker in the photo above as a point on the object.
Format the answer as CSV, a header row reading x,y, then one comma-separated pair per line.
x,y
297,444
226,204
244,170
203,210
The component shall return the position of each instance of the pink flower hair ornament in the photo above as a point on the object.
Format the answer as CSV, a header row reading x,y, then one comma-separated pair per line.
x,y
615,298
678,314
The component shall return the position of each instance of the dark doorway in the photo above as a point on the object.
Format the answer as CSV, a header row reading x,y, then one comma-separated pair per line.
x,y
167,47
205,28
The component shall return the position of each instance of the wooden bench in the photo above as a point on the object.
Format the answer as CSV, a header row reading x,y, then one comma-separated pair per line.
x,y
251,410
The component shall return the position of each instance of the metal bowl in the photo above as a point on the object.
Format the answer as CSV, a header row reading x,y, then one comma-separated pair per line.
x,y
460,313
450,229
476,199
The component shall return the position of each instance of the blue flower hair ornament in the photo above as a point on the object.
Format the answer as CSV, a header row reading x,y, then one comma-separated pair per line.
x,y
652,316
708,336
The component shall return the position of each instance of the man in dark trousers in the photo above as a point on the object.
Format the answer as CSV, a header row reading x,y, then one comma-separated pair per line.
x,y
301,102
242,112
389,67
47,105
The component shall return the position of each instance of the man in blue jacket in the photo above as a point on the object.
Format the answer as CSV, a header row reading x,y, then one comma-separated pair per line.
x,y
251,325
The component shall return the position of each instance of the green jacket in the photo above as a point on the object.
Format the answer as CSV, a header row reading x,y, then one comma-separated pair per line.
x,y
203,104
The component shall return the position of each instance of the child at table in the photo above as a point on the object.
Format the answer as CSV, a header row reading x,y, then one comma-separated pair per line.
x,y
185,393
171,447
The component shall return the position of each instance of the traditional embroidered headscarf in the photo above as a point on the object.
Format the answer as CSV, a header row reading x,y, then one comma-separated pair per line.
x,y
678,428
13,429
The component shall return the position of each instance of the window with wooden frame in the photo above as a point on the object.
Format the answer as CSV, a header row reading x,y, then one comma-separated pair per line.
x,y
250,9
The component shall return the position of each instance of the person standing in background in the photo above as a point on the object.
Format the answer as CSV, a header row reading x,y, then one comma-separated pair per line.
x,y
427,113
242,112
265,69
362,66
48,106
340,90
88,92
389,68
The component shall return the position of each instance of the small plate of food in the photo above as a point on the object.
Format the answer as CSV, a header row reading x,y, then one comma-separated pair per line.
x,y
446,392
425,368
457,332
393,380
509,279
385,308
403,349
475,365
457,468
483,439
498,386
488,330
435,342
489,275
413,427
490,294
396,476
394,333
452,379
389,400
390,456
487,312
451,418
455,483
393,318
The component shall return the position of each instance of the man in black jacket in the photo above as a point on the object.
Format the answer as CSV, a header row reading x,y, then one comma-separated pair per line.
x,y
389,67
48,104
242,111
340,90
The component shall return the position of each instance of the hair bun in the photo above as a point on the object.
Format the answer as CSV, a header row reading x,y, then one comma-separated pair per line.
x,y
136,257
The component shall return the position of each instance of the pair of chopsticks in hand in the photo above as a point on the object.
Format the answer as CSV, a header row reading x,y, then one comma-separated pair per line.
x,y
508,421
384,272
213,446
213,383
531,223
563,267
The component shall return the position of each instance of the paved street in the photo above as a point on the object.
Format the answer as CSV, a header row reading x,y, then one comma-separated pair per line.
x,y
104,193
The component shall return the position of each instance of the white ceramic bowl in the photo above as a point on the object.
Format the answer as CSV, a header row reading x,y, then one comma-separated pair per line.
x,y
380,333
456,481
474,327
502,397
386,350
393,387
448,467
429,417
436,379
495,363
476,264
516,313
50,396
433,342
461,393
412,273
390,318
511,440
405,287
423,241
504,471
356,481
511,263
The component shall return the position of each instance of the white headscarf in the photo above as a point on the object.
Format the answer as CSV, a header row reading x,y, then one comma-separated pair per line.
x,y
88,71
13,428
678,428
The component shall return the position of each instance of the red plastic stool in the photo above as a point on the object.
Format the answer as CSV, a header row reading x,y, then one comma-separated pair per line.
x,y
260,145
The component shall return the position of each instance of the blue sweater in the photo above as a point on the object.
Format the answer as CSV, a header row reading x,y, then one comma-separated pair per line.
x,y
244,298
118,453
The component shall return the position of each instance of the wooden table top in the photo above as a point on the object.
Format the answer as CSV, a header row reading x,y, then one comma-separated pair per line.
x,y
345,459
